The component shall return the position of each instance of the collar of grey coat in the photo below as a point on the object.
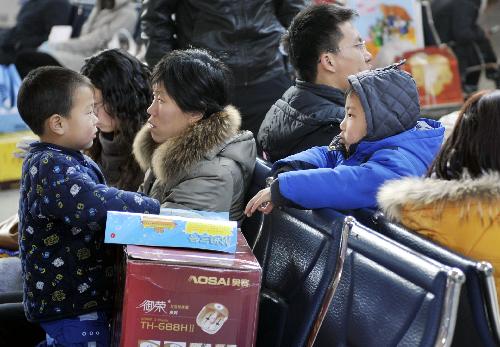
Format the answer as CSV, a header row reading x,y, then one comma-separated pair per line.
x,y
394,194
206,138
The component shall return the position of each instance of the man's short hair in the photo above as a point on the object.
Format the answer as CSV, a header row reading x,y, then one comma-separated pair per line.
x,y
46,91
313,31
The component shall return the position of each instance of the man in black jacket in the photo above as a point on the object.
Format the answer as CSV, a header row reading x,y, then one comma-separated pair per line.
x,y
33,24
245,34
324,48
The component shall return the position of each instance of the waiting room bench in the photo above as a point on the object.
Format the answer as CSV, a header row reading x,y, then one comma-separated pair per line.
x,y
301,253
390,295
478,322
387,293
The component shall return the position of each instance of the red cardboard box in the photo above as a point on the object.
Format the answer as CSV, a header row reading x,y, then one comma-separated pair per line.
x,y
189,298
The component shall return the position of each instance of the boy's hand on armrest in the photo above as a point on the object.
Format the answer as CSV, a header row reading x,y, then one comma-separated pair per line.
x,y
261,201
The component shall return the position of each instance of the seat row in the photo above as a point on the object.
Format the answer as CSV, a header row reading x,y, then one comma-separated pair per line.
x,y
353,278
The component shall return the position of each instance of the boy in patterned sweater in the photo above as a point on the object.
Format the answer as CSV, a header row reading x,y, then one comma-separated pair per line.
x,y
62,211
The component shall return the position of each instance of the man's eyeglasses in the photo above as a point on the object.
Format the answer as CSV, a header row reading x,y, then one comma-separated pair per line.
x,y
360,45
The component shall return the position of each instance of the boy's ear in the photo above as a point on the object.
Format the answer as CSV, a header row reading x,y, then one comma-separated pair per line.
x,y
327,62
56,124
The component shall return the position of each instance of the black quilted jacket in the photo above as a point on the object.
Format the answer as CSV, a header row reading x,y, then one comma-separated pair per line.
x,y
307,115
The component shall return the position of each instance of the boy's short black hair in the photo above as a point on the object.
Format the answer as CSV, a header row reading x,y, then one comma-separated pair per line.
x,y
313,31
46,91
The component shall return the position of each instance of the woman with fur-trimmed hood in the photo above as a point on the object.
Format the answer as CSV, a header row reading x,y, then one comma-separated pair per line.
x,y
458,204
192,149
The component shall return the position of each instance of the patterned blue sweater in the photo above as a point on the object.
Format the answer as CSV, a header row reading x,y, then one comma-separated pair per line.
x,y
62,214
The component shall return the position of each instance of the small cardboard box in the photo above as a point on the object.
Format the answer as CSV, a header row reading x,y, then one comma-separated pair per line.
x,y
188,298
171,231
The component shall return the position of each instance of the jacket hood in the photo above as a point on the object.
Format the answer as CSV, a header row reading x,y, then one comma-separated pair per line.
x,y
393,195
206,138
235,147
390,100
307,115
241,149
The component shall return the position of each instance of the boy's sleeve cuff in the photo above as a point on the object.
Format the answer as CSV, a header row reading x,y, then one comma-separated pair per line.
x,y
281,169
278,199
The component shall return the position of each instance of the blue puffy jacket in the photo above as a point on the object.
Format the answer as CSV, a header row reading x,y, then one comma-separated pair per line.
x,y
396,144
328,179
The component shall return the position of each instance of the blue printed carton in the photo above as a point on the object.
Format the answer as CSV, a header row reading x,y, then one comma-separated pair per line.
x,y
171,230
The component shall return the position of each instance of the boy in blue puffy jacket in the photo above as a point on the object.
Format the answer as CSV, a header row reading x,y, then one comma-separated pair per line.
x,y
381,138
62,211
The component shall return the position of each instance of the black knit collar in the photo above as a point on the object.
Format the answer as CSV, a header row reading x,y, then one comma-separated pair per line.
x,y
333,94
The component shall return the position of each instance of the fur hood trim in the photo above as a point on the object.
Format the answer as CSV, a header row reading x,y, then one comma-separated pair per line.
x,y
177,155
394,194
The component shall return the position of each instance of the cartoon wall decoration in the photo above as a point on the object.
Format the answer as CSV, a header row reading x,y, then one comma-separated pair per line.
x,y
390,27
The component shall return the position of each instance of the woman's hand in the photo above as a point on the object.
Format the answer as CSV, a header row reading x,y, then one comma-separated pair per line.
x,y
261,201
